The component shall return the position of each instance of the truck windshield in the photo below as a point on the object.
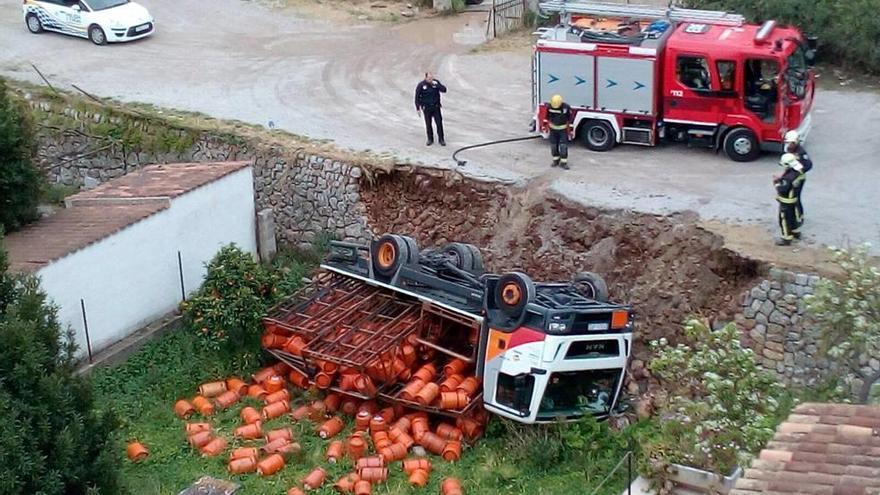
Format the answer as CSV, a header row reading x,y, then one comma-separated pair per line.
x,y
576,393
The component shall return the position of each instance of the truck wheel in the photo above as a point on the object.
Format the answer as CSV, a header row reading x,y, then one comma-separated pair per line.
x,y
597,135
389,253
462,256
514,291
478,259
741,145
591,286
412,247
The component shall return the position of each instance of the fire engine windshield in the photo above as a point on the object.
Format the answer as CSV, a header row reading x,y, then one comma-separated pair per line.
x,y
576,393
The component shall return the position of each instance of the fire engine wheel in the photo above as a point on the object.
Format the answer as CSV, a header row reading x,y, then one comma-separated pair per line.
x,y
478,259
513,293
597,135
741,145
413,250
591,286
462,256
390,252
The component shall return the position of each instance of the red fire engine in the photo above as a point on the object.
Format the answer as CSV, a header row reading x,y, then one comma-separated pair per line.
x,y
638,75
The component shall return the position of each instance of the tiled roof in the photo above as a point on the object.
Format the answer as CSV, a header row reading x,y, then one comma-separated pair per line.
x,y
158,181
95,214
821,449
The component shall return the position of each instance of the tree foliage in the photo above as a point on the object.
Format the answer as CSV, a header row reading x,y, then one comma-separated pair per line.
x,y
53,440
20,181
226,311
723,405
847,310
848,31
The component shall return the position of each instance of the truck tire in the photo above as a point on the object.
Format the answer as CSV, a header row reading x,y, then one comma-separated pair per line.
x,y
514,291
389,253
413,248
460,255
741,145
591,286
597,135
478,259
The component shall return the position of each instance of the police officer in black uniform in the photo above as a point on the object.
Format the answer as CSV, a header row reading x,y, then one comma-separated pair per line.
x,y
559,121
428,102
793,145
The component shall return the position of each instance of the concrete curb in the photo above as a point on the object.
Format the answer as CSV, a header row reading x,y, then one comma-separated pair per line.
x,y
121,350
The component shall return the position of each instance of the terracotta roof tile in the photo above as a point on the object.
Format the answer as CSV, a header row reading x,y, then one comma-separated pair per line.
x,y
822,449
95,214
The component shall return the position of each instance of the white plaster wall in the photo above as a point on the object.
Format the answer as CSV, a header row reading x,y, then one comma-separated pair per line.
x,y
131,278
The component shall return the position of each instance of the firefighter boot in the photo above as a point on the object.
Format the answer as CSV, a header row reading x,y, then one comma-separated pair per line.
x,y
783,242
555,162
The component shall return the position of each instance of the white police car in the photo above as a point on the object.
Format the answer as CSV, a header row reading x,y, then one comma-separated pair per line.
x,y
102,21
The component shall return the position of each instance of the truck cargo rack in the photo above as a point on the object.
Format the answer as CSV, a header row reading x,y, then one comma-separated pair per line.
x,y
641,12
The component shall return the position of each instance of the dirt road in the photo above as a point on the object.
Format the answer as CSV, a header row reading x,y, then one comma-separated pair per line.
x,y
352,83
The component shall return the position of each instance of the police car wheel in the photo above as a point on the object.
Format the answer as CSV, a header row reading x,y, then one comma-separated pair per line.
x,y
741,145
97,36
597,135
33,24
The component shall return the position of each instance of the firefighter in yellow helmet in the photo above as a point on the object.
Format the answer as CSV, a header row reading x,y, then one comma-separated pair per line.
x,y
786,196
559,117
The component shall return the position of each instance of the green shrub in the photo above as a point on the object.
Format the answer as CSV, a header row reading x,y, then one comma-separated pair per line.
x,y
20,181
848,31
723,406
53,439
227,309
848,311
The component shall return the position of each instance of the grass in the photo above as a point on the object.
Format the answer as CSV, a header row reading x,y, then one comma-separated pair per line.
x,y
54,194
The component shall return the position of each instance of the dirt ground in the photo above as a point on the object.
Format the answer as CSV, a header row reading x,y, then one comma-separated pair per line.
x,y
351,83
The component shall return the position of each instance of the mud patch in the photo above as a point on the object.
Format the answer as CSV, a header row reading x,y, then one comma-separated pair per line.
x,y
667,267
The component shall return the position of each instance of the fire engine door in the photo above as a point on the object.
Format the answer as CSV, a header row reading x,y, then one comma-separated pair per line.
x,y
696,94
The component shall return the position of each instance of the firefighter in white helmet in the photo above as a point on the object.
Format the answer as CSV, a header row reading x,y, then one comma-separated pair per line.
x,y
792,144
787,199
559,120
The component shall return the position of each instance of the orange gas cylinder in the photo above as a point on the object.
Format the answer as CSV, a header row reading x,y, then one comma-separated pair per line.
x,y
289,450
295,490
394,452
200,439
203,405
300,413
250,431
369,406
418,478
455,400
410,465
419,427
452,451
346,381
298,379
357,446
451,381
263,374
273,340
426,373
428,394
249,415
366,462
362,420
373,474
470,428
243,452
276,409
451,486
214,448
332,402
330,428
257,392
227,399
278,396
412,388
314,479
469,385
455,367
285,433
432,443
136,451
402,424
212,389
270,465
377,423
236,385
295,345
323,380
335,451
317,411
183,409
242,465
448,432
408,354
365,385
273,384
362,487
349,407
387,414
274,446
346,483
381,440
196,427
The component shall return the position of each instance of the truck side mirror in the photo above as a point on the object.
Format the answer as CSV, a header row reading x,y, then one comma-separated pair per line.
x,y
810,56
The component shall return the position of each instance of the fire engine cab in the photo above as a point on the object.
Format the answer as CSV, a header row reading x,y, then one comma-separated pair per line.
x,y
638,75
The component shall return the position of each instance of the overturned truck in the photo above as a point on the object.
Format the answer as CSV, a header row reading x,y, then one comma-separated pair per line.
x,y
429,330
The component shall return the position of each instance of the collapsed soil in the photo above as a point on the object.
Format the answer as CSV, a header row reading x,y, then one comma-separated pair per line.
x,y
667,268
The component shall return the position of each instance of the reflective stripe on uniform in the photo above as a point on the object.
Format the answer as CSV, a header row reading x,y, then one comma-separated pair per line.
x,y
787,201
554,110
558,127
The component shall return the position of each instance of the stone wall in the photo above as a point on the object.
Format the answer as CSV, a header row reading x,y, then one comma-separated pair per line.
x,y
310,195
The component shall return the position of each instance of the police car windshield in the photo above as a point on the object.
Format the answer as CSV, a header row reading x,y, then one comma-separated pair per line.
x,y
105,4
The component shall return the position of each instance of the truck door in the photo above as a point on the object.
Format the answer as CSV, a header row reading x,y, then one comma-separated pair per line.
x,y
694,95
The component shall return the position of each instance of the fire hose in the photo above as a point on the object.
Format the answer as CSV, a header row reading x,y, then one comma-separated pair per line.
x,y
462,163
